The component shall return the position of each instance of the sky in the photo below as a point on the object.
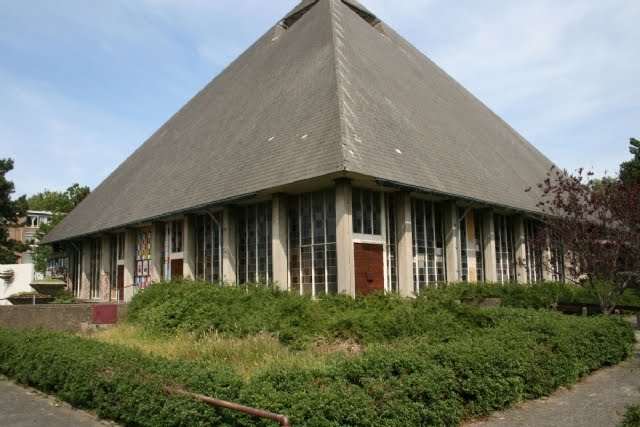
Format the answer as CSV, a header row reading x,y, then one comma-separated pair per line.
x,y
85,83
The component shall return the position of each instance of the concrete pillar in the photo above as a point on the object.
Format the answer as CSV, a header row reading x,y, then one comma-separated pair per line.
x,y
105,269
547,268
520,248
157,246
452,246
404,236
85,273
279,241
472,274
344,238
129,262
229,246
189,247
489,239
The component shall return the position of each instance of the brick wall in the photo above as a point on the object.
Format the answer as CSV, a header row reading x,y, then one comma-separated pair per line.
x,y
57,317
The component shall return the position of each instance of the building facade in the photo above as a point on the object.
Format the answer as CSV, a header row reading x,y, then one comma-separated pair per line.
x,y
27,231
332,156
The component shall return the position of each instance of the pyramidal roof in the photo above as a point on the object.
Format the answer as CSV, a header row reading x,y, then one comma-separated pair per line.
x,y
329,89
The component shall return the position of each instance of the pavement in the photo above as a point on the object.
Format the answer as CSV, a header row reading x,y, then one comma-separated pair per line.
x,y
23,407
600,400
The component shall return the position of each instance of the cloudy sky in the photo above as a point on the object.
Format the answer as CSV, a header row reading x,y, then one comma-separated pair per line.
x,y
84,83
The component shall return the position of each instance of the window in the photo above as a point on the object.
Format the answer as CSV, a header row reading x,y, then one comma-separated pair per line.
x,y
390,226
366,212
121,239
177,228
534,252
428,244
33,221
94,269
142,271
209,247
313,268
113,265
471,247
254,243
557,260
505,255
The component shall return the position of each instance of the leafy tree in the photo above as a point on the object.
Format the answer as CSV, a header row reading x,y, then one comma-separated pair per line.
x,y
597,223
630,171
60,204
10,212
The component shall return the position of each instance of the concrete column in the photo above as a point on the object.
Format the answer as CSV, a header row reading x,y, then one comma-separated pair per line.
x,y
520,248
129,262
157,246
547,273
452,246
472,275
189,247
229,246
105,269
85,278
279,241
404,236
344,238
489,238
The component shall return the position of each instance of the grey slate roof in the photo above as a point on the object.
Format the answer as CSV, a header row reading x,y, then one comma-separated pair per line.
x,y
330,94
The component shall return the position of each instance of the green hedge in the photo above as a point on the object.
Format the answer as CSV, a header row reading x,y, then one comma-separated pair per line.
x,y
432,379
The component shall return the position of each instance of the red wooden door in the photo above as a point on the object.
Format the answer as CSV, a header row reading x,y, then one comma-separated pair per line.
x,y
369,266
176,268
120,283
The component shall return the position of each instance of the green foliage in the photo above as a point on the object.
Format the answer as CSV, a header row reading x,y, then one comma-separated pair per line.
x,y
630,170
506,355
10,212
64,297
631,417
539,295
60,203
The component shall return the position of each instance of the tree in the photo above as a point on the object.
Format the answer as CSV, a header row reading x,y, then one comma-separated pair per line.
x,y
630,171
10,213
59,204
597,225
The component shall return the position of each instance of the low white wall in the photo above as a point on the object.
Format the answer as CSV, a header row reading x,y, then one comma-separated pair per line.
x,y
22,278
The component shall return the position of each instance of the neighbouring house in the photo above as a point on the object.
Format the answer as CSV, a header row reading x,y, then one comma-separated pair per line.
x,y
332,156
26,232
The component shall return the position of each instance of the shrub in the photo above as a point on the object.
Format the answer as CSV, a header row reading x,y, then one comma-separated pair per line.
x,y
428,361
631,417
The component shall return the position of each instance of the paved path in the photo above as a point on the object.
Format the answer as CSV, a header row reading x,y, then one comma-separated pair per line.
x,y
21,407
598,401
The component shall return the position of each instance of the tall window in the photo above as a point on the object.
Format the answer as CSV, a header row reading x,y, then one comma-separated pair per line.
x,y
428,244
557,260
94,269
173,244
113,265
255,262
313,268
142,273
505,254
390,226
367,212
534,252
121,243
471,247
209,247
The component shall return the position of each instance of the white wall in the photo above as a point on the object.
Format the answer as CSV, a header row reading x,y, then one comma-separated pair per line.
x,y
23,276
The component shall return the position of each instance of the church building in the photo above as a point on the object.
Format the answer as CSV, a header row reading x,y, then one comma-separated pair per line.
x,y
332,156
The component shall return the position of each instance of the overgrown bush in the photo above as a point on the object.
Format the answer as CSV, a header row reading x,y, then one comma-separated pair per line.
x,y
539,295
631,417
428,361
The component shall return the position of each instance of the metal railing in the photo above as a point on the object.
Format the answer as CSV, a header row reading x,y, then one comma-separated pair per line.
x,y
282,419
